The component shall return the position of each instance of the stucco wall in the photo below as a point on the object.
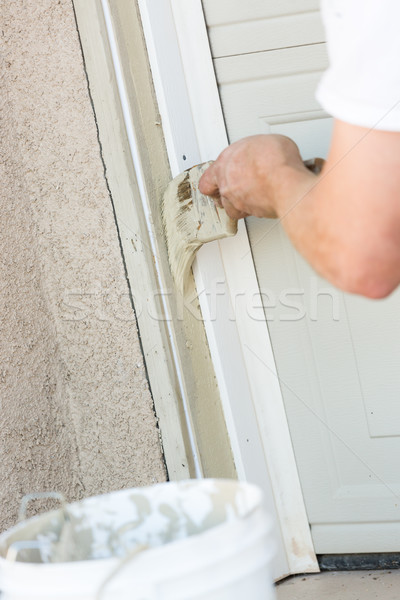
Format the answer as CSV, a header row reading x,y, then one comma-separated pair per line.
x,y
76,413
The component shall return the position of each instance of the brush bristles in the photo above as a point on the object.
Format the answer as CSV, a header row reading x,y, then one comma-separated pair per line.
x,y
190,220
181,245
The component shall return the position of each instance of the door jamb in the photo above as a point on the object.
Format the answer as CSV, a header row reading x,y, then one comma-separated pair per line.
x,y
194,129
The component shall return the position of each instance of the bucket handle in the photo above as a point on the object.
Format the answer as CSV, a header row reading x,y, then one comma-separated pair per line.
x,y
38,496
149,594
15,548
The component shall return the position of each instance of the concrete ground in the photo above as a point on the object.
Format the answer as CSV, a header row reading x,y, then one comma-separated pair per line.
x,y
341,585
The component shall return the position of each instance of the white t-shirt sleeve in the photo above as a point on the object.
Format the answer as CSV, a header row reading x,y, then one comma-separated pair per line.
x,y
362,83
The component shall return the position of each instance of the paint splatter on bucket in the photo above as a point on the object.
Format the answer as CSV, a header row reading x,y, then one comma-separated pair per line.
x,y
193,540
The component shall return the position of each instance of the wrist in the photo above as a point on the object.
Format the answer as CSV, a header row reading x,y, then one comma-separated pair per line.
x,y
294,189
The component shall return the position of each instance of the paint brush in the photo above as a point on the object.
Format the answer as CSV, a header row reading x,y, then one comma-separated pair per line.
x,y
192,219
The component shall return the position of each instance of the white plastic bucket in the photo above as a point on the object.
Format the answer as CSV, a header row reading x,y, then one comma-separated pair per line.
x,y
193,540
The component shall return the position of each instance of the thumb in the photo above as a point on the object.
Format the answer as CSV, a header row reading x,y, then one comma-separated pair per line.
x,y
208,183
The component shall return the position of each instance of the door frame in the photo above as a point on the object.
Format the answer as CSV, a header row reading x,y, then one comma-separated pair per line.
x,y
194,130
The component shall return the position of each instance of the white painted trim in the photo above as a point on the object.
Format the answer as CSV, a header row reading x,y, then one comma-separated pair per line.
x,y
194,128
130,130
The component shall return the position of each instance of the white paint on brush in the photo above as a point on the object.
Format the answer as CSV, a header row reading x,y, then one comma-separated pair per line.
x,y
190,220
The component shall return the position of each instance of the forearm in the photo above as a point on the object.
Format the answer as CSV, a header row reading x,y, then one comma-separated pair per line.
x,y
302,211
345,222
336,223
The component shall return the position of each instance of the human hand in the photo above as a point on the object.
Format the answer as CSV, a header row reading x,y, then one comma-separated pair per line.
x,y
254,175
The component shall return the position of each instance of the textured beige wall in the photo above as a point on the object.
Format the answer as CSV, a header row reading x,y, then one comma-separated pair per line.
x,y
76,412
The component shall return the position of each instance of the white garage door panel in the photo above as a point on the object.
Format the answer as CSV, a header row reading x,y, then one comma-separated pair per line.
x,y
269,88
268,34
345,474
267,65
379,537
378,361
242,27
220,12
250,108
312,136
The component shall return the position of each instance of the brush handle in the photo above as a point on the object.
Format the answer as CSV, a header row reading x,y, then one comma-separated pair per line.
x,y
314,165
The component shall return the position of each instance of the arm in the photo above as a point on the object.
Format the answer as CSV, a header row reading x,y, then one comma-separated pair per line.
x,y
345,222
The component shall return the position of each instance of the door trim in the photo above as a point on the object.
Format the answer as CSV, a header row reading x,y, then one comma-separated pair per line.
x,y
194,130
129,193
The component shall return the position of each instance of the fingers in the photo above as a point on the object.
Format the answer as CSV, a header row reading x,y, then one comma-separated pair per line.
x,y
231,211
208,183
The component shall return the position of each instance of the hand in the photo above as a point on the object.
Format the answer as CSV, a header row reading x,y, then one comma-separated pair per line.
x,y
253,175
